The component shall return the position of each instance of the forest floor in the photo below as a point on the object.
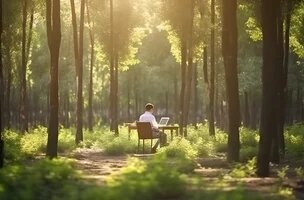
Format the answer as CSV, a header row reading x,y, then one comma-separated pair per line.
x,y
97,167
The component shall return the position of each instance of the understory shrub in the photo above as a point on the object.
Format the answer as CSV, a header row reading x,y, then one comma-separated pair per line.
x,y
149,180
46,179
181,154
294,140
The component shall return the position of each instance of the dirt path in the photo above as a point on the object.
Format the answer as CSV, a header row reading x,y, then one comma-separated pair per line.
x,y
97,167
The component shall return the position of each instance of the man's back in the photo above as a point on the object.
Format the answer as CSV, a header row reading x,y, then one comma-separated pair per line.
x,y
148,117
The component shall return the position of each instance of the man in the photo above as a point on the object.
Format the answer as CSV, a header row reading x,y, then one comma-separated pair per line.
x,y
149,117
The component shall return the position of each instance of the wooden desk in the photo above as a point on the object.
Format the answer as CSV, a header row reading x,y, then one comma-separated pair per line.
x,y
171,128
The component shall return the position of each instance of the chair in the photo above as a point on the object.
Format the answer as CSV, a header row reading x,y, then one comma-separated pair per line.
x,y
144,130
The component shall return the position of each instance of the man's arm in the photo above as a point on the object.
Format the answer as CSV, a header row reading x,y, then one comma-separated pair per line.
x,y
154,124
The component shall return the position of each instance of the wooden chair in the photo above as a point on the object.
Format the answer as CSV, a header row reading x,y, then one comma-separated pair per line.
x,y
144,130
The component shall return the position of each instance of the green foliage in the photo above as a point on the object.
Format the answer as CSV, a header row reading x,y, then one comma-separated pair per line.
x,y
244,170
34,142
282,172
294,140
12,146
110,143
299,172
46,179
179,148
247,153
147,180
20,146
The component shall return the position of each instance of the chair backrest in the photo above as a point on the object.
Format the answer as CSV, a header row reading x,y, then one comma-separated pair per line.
x,y
144,130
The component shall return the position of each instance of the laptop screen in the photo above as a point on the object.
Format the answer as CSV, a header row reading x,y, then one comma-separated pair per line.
x,y
163,121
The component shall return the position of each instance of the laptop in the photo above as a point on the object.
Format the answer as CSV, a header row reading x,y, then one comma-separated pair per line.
x,y
163,121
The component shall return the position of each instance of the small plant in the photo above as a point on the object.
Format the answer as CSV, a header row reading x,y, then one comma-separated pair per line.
x,y
300,173
282,172
247,170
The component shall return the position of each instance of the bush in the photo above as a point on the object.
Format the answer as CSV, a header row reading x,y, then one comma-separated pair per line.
x,y
147,180
181,154
46,179
294,140
247,170
12,146
247,153
66,140
248,137
34,142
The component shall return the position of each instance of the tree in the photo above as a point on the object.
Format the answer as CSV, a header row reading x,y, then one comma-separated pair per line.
x,y
90,106
78,51
212,71
1,93
24,106
230,49
54,41
270,10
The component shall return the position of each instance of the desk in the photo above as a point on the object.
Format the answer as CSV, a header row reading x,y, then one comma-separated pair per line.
x,y
171,128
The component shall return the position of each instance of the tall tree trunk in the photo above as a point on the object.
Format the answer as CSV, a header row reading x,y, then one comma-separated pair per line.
x,y
30,35
230,49
24,103
54,40
183,83
116,103
79,131
279,135
285,76
175,96
246,110
212,71
190,67
8,89
1,92
90,107
205,65
112,69
195,104
78,51
268,127
129,97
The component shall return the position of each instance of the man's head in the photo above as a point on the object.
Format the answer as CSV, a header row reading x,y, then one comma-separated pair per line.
x,y
149,107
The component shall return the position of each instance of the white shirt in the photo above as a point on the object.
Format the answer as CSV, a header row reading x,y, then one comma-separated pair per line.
x,y
148,117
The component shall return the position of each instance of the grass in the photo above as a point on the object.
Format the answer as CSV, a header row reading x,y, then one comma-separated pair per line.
x,y
168,175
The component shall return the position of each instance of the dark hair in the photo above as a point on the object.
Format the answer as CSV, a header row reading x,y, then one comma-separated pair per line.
x,y
149,106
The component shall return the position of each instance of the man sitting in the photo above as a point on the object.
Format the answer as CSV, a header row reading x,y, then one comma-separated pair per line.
x,y
149,117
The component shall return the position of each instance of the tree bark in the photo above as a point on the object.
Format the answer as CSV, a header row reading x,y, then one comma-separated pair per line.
x,y
205,66
230,49
212,71
268,127
112,70
116,104
1,92
183,83
8,89
190,67
246,110
90,107
54,40
24,103
195,104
